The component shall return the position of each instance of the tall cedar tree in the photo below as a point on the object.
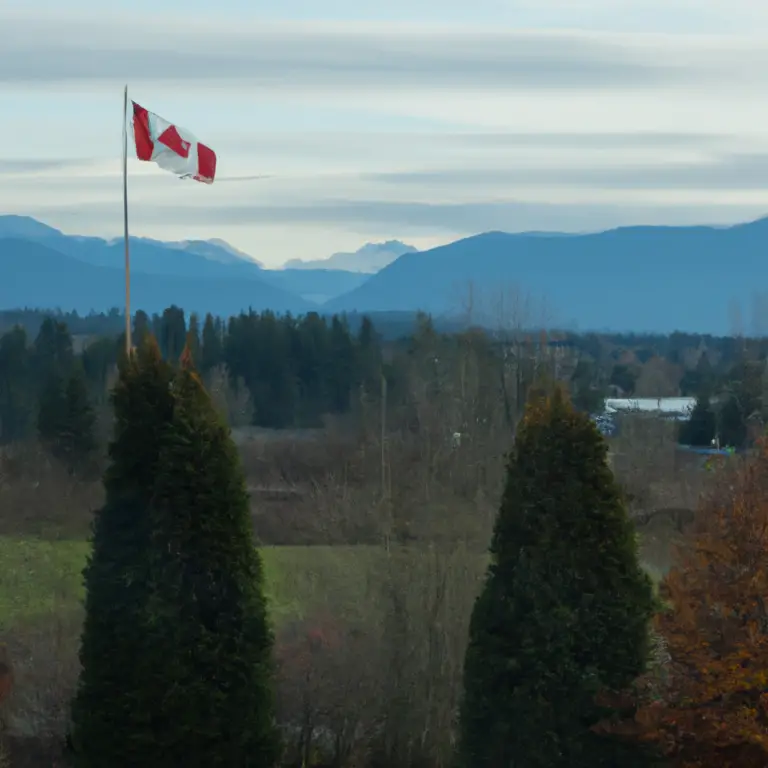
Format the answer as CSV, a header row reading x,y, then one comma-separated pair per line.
x,y
176,649
209,644
564,613
111,724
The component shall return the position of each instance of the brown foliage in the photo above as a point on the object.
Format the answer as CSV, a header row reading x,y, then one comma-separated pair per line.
x,y
658,378
714,709
326,688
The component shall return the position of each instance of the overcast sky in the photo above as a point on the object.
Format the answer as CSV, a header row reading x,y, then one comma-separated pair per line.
x,y
422,120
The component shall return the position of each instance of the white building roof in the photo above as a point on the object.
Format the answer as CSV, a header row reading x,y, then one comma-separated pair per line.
x,y
669,405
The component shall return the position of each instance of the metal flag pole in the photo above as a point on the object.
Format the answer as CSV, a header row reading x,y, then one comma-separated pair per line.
x,y
128,344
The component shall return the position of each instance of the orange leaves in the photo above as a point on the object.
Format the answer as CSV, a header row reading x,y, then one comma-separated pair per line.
x,y
713,709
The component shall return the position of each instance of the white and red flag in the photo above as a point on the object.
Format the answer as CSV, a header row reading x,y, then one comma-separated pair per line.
x,y
173,148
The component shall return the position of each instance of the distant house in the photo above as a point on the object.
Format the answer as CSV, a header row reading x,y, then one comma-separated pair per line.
x,y
674,408
666,408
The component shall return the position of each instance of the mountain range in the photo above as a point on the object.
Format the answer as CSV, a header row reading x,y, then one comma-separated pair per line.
x,y
656,279
42,267
369,259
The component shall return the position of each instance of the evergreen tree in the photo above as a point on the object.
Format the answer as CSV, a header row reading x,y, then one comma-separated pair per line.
x,y
369,352
195,689
110,721
141,327
212,352
52,352
50,409
16,398
173,332
564,611
193,338
340,365
98,361
77,439
66,421
700,380
210,644
700,429
587,390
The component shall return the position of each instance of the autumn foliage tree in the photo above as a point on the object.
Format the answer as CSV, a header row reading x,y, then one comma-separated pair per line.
x,y
713,710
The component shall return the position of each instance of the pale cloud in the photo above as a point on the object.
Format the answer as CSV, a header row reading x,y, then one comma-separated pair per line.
x,y
327,57
23,166
737,172
464,185
435,222
628,15
342,55
370,131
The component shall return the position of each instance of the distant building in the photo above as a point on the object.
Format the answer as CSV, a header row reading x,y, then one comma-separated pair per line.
x,y
674,408
666,408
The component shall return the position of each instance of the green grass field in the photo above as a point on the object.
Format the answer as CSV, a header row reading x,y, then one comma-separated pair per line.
x,y
40,577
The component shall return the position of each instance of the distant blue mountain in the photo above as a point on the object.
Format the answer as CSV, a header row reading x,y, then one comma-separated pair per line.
x,y
369,259
214,250
35,275
25,227
148,256
193,259
657,279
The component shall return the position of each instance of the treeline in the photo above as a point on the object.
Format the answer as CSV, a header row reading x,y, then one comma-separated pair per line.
x,y
43,390
607,348
283,372
295,370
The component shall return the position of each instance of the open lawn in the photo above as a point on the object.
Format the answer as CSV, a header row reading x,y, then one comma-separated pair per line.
x,y
39,577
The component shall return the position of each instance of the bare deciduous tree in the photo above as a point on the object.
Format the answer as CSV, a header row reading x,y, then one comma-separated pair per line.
x,y
232,399
658,378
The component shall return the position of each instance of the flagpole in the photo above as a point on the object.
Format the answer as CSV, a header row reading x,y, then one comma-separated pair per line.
x,y
128,344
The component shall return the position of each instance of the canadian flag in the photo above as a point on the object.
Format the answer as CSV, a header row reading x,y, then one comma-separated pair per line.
x,y
171,147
